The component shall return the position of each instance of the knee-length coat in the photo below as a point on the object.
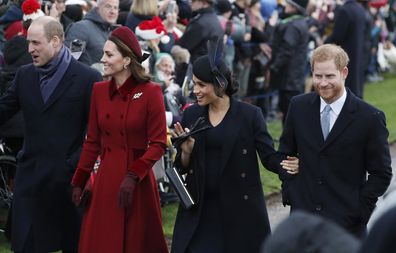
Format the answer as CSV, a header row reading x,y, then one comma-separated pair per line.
x,y
242,204
127,128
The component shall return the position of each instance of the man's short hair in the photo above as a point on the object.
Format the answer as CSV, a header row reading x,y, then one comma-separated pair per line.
x,y
51,26
330,52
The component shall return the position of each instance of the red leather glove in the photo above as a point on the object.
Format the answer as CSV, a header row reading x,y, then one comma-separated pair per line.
x,y
76,195
126,189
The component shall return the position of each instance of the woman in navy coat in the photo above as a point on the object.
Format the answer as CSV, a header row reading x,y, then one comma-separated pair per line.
x,y
222,169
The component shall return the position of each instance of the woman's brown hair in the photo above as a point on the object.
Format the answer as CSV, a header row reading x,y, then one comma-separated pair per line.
x,y
137,70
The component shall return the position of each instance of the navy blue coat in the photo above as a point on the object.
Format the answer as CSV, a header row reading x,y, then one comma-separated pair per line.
x,y
332,176
349,32
54,132
242,204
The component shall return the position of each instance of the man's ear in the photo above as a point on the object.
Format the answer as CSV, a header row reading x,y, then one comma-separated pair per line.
x,y
56,41
344,72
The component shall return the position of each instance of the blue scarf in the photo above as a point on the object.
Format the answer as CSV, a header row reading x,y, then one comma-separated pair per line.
x,y
52,73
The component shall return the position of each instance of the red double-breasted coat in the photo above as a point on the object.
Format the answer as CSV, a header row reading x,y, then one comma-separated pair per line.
x,y
127,129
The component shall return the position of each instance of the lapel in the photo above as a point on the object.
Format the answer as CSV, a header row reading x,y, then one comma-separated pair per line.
x,y
65,82
313,122
344,119
230,132
36,93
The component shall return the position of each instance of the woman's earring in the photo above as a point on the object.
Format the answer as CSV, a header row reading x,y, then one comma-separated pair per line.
x,y
125,66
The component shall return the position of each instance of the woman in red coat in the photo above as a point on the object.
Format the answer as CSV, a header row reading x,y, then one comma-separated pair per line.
x,y
127,129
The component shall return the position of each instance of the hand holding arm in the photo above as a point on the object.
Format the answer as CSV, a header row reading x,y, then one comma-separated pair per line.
x,y
290,165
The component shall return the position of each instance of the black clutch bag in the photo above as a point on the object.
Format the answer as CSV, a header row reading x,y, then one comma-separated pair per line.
x,y
194,129
178,184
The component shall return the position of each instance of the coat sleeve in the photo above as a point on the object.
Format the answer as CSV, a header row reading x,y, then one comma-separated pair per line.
x,y
340,30
156,132
91,147
9,102
192,37
94,77
289,41
378,165
265,145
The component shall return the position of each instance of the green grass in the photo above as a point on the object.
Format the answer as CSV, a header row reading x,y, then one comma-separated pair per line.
x,y
381,95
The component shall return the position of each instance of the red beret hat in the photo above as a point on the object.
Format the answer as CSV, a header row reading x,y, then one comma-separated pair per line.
x,y
126,35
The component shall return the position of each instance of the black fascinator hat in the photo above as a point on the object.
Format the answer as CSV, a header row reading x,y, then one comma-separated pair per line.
x,y
212,69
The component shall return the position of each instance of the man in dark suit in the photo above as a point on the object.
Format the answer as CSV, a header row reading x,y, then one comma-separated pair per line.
x,y
53,94
339,140
349,32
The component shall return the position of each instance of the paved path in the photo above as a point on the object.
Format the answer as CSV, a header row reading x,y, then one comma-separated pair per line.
x,y
278,213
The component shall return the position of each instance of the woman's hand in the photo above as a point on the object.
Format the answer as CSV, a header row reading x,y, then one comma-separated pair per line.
x,y
290,165
76,195
188,145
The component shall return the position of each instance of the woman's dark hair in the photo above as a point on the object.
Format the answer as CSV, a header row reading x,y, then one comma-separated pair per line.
x,y
202,70
137,70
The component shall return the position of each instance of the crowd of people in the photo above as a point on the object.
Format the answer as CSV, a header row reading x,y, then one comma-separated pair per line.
x,y
84,81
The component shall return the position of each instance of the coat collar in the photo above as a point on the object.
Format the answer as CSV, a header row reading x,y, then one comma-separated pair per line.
x,y
128,86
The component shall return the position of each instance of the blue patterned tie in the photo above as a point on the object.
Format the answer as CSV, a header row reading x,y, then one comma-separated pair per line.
x,y
325,121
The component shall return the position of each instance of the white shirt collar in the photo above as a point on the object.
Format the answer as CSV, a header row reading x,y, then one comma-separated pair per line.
x,y
336,106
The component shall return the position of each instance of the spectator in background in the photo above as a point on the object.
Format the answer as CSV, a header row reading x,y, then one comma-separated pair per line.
x,y
182,61
203,25
349,32
94,30
243,54
57,11
234,30
164,74
127,129
11,20
289,53
141,10
125,6
74,11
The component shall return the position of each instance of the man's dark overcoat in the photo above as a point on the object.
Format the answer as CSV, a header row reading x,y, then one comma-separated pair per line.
x,y
54,132
332,175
